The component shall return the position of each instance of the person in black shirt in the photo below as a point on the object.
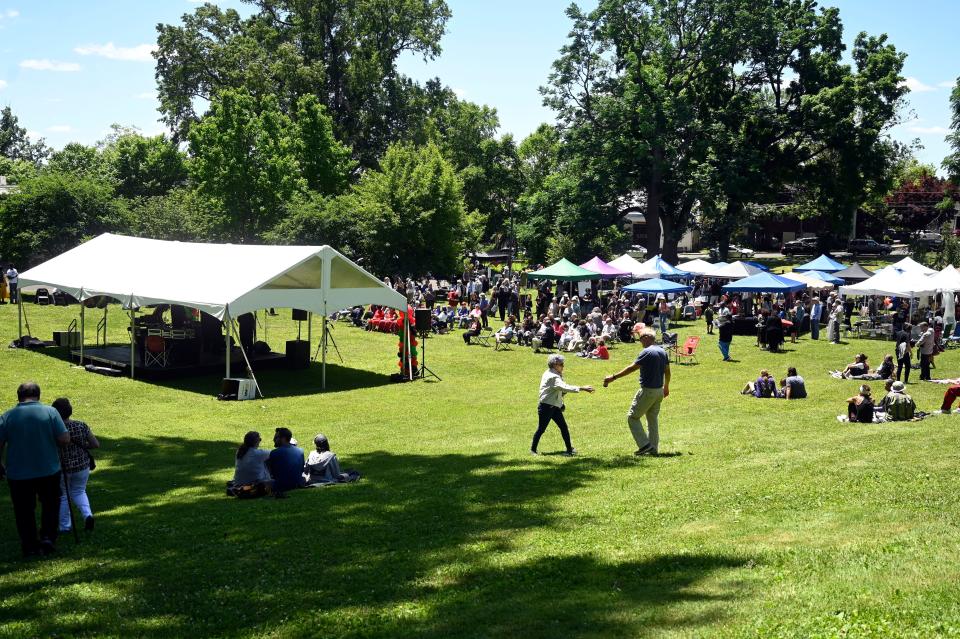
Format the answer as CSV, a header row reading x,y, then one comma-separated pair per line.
x,y
725,331
860,407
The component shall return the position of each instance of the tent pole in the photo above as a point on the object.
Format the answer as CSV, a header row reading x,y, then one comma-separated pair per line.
x,y
323,374
104,325
83,308
310,329
133,341
19,317
226,338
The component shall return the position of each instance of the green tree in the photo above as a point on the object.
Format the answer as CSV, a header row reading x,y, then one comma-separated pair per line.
x,y
410,213
82,161
145,166
15,144
325,163
54,212
345,52
952,162
181,214
244,157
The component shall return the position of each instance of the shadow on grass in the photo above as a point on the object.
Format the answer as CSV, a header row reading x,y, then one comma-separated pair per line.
x,y
424,545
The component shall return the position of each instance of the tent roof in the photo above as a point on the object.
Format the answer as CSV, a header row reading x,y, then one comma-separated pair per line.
x,y
214,278
564,270
853,273
605,270
657,286
824,277
652,268
892,281
697,266
806,280
734,271
910,265
823,263
758,265
764,283
946,280
626,263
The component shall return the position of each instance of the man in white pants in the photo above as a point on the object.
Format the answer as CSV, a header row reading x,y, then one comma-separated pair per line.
x,y
654,366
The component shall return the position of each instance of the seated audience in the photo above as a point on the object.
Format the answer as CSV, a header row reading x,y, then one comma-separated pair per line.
x,y
285,463
250,476
860,407
793,386
472,331
952,393
763,387
600,352
898,404
322,466
507,332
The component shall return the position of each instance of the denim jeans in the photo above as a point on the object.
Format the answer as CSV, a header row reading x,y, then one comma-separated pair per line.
x,y
725,349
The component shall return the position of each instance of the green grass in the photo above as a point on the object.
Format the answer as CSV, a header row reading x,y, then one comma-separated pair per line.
x,y
768,518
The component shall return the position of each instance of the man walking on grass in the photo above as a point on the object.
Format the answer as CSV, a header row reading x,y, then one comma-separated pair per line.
x,y
654,367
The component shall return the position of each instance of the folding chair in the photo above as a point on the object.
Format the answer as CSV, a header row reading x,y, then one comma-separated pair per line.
x,y
689,313
502,345
953,341
484,337
155,351
688,350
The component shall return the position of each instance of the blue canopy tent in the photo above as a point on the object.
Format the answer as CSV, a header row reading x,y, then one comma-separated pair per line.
x,y
822,263
764,283
826,277
657,286
756,265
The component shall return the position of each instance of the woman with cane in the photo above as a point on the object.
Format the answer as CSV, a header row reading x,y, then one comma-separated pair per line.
x,y
76,463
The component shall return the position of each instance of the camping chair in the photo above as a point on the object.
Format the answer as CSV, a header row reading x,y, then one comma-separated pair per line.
x,y
688,350
155,351
669,340
483,338
42,297
953,341
689,313
503,345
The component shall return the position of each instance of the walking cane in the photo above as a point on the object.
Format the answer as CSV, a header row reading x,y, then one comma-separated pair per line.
x,y
66,487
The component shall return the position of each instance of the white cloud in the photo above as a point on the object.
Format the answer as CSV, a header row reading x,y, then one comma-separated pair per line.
x,y
12,13
49,65
916,86
948,84
3,84
459,93
139,53
34,135
929,130
146,95
59,128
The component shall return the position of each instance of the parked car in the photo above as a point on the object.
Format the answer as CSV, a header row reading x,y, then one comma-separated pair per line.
x,y
637,248
929,239
732,250
802,246
864,246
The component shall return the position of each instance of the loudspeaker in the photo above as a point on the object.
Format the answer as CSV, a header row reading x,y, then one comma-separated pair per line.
x,y
422,318
299,315
298,353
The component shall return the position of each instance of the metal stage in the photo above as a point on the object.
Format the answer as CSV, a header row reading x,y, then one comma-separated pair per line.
x,y
118,357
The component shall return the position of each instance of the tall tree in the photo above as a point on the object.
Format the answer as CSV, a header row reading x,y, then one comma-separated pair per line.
x,y
244,156
343,51
15,144
325,163
145,166
952,162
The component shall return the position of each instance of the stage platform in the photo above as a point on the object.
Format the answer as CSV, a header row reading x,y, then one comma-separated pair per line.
x,y
118,357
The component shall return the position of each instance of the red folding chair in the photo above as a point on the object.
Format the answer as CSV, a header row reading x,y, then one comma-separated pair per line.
x,y
688,351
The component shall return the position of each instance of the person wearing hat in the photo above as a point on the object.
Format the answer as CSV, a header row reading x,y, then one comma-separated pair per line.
x,y
552,389
899,405
925,345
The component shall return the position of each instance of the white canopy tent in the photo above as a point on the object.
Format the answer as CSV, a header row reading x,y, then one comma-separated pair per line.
x,y
892,281
809,282
224,280
910,265
946,280
627,264
733,271
696,267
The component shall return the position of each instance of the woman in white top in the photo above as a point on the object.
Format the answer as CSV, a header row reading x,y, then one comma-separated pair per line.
x,y
552,390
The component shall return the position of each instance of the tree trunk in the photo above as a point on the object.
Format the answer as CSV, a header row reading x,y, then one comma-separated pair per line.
x,y
654,199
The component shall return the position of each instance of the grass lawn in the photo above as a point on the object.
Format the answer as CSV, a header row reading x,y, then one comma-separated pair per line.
x,y
764,518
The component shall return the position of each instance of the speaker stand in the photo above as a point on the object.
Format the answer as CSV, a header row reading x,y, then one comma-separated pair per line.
x,y
423,371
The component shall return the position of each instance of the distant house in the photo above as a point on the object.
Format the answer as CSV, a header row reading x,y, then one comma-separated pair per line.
x,y
6,188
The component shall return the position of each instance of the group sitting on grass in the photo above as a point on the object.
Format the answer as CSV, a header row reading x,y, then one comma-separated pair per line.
x,y
260,472
765,386
896,406
860,369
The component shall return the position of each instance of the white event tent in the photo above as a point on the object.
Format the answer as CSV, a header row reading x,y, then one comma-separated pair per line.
x,y
627,264
910,265
806,280
946,280
892,281
733,271
224,280
696,267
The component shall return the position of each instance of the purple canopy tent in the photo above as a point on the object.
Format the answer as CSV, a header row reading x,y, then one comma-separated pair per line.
x,y
604,270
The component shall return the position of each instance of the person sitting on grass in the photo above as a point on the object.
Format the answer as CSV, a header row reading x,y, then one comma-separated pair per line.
x,y
609,330
951,394
285,463
323,467
793,386
899,406
588,347
565,343
600,352
764,386
858,367
250,476
860,407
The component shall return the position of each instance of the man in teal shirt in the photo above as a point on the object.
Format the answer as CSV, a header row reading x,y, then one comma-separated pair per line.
x,y
33,432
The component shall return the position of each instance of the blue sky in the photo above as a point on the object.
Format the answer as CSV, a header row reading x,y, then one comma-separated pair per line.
x,y
72,68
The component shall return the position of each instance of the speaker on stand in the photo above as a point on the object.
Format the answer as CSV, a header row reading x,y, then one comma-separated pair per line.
x,y
423,320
